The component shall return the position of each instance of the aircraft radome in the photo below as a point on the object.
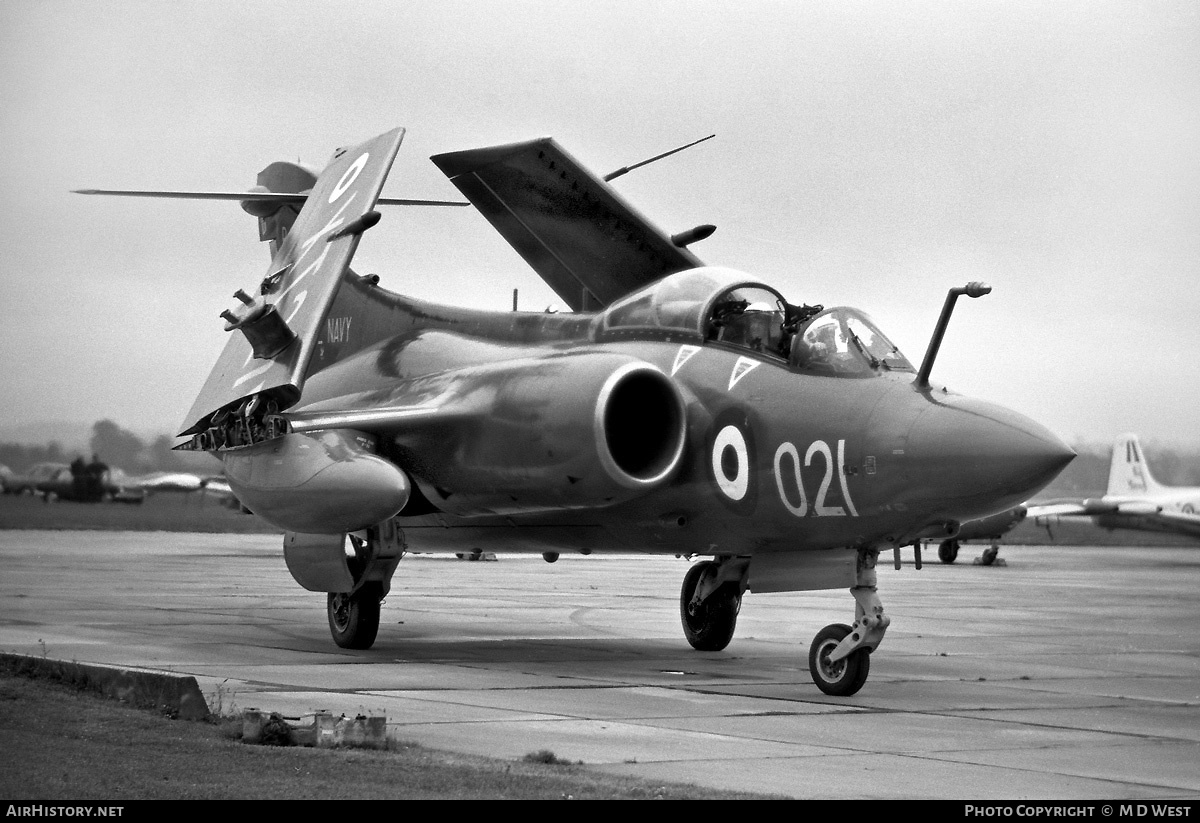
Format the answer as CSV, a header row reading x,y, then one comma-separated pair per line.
x,y
678,408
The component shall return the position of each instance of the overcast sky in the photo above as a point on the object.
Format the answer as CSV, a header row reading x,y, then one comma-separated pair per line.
x,y
867,153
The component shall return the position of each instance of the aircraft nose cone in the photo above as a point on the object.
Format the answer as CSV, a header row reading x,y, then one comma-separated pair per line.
x,y
985,456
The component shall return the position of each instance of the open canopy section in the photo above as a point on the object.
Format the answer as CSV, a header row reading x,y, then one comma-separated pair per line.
x,y
728,308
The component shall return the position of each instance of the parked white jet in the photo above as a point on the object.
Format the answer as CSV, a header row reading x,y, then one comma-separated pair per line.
x,y
1134,500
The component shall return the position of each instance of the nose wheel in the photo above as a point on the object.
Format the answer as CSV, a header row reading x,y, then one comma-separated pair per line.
x,y
839,658
843,677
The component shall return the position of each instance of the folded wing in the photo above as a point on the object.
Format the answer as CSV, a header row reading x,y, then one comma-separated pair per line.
x,y
588,244
302,282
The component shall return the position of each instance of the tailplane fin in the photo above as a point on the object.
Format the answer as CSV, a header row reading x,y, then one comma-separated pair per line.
x,y
1128,473
276,217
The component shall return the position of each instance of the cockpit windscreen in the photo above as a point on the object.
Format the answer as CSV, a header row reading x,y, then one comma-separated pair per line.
x,y
843,341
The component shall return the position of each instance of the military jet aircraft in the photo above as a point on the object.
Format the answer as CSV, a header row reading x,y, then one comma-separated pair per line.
x,y
1134,499
991,529
679,409
81,482
29,481
96,482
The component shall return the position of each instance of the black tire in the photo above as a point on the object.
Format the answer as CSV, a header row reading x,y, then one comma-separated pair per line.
x,y
948,551
354,618
708,627
845,677
988,557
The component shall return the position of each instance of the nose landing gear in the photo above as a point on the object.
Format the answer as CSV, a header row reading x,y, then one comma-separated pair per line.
x,y
839,659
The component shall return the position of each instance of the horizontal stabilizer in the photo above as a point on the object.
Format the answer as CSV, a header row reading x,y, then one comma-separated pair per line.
x,y
255,197
588,244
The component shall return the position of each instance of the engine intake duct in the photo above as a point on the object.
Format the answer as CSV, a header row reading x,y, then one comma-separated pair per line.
x,y
575,432
640,419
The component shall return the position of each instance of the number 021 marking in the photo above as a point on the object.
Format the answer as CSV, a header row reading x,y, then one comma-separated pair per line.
x,y
838,466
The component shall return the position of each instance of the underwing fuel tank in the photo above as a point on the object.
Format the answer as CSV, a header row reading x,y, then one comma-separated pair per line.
x,y
324,482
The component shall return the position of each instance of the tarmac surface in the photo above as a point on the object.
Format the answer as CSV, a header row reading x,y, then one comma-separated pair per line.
x,y
1071,673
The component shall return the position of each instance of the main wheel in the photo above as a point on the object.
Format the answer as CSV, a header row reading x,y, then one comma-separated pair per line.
x,y
845,677
708,626
354,618
948,551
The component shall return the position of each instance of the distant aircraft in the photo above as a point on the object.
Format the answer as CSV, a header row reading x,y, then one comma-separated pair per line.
x,y
987,528
79,481
219,488
95,482
23,482
161,481
679,409
1134,499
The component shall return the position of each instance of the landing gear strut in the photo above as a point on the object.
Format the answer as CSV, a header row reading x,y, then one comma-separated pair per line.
x,y
839,659
355,571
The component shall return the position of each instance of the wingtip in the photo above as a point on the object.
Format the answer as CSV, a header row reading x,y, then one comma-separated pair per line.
x,y
455,163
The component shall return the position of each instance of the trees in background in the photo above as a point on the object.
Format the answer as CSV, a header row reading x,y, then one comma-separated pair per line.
x,y
118,447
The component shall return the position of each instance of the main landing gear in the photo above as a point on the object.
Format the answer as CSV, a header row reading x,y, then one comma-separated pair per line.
x,y
354,616
355,573
709,604
839,659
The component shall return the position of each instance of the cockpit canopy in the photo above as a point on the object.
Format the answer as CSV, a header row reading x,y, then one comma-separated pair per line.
x,y
723,307
844,341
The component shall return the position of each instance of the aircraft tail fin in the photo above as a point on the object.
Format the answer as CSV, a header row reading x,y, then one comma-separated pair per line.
x,y
1128,473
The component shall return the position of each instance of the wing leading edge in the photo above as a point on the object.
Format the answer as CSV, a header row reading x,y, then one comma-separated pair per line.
x,y
588,244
